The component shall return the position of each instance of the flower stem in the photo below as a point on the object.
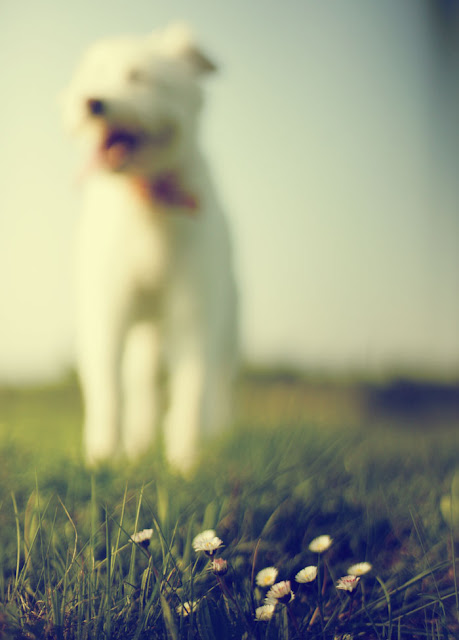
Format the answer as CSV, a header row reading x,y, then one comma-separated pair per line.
x,y
325,578
294,620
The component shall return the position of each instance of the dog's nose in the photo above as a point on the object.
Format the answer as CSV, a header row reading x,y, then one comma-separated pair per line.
x,y
95,106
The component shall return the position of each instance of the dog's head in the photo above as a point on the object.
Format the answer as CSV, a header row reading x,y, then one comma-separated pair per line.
x,y
136,101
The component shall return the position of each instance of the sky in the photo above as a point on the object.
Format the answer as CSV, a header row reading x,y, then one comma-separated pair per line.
x,y
330,129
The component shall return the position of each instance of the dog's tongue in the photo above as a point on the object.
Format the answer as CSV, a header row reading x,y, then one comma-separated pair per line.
x,y
116,147
112,153
115,155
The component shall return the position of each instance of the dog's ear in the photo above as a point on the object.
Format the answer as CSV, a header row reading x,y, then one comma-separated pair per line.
x,y
177,41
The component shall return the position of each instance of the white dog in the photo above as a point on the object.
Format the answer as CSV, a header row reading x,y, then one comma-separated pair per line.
x,y
154,274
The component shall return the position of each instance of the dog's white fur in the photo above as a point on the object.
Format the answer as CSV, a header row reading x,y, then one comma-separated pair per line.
x,y
154,269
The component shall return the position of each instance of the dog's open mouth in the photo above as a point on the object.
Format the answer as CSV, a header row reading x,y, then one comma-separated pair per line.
x,y
119,145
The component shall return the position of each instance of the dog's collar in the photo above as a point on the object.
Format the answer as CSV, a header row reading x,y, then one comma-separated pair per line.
x,y
167,190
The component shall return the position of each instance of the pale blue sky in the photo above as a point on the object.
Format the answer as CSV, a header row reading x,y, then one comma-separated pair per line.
x,y
324,128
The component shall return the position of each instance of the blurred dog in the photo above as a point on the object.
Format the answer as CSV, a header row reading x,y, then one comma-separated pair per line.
x,y
154,269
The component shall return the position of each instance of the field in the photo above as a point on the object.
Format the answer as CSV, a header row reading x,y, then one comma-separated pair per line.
x,y
373,467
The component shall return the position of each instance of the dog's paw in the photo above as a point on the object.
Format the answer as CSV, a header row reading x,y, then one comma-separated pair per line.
x,y
99,451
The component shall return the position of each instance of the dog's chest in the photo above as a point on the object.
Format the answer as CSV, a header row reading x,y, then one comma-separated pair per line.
x,y
134,243
124,239
148,248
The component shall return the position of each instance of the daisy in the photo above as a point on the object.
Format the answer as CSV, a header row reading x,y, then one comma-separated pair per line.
x,y
320,544
266,577
219,566
280,592
207,541
360,569
186,608
142,537
347,583
308,574
265,612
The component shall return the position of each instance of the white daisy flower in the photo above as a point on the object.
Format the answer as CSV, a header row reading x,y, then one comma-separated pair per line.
x,y
320,544
308,574
281,591
219,566
142,537
347,583
266,577
264,612
360,569
186,608
207,541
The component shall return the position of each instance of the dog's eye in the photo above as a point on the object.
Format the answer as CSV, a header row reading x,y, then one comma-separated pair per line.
x,y
137,76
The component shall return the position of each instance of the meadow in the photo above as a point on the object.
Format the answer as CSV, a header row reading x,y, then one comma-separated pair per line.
x,y
374,468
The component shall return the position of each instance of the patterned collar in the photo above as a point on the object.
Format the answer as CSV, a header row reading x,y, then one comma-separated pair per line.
x,y
167,190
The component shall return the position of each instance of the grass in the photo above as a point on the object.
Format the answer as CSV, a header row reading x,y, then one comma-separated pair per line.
x,y
304,459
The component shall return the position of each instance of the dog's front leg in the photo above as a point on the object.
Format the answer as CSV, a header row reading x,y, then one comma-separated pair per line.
x,y
140,386
183,422
100,340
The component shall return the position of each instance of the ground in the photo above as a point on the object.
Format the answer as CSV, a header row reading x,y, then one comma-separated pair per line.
x,y
367,464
